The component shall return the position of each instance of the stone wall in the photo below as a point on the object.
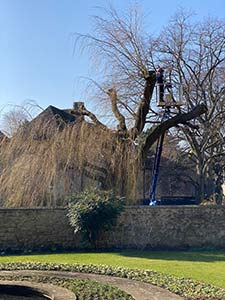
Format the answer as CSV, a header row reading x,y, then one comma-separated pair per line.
x,y
35,229
169,227
140,227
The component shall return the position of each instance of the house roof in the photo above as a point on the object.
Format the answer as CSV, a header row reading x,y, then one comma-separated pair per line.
x,y
56,114
49,120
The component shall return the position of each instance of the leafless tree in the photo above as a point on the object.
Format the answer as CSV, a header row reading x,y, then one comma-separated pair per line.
x,y
12,120
195,56
18,115
126,56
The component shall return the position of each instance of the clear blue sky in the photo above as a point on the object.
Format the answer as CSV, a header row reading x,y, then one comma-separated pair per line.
x,y
36,45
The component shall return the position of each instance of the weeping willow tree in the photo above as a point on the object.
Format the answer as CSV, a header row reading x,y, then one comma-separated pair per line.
x,y
46,161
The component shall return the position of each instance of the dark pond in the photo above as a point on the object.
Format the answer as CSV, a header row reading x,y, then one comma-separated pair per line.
x,y
14,292
14,297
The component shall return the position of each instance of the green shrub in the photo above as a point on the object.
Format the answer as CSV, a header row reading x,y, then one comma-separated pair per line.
x,y
94,211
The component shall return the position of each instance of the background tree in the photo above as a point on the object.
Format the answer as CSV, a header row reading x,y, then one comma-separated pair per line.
x,y
194,55
18,115
13,119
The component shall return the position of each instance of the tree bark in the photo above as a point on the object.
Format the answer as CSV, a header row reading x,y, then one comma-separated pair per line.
x,y
200,195
144,106
114,100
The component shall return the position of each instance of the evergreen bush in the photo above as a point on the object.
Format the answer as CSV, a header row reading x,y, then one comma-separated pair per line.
x,y
93,211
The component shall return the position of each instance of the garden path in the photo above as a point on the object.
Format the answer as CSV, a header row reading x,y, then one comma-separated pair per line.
x,y
137,289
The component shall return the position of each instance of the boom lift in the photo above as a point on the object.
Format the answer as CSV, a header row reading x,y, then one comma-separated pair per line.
x,y
168,97
171,95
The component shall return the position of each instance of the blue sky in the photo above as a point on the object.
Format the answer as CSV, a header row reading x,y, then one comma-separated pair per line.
x,y
36,45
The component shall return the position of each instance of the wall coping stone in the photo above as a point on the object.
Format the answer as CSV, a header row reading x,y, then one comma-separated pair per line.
x,y
159,207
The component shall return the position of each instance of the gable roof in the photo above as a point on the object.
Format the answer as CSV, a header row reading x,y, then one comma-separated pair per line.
x,y
52,113
44,125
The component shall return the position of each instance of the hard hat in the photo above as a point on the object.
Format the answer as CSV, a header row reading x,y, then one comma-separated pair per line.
x,y
159,69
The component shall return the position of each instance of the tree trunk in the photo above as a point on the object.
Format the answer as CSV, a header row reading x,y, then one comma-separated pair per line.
x,y
201,189
201,182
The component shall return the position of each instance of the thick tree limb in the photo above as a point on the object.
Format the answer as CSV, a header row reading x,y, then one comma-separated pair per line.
x,y
181,118
144,106
114,100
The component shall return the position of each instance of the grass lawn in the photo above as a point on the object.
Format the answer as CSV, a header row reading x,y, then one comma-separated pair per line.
x,y
204,266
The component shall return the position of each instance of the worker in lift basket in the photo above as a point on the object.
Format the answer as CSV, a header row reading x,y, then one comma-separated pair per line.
x,y
160,82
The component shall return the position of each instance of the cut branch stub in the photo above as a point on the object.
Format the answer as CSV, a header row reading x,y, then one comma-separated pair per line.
x,y
83,111
114,101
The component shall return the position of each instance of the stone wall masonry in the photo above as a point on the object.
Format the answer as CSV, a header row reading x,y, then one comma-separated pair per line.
x,y
169,227
35,229
139,227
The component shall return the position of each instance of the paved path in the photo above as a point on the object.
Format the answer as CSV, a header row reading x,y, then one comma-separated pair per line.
x,y
137,289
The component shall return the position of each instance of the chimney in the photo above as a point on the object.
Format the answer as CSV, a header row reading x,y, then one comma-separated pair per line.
x,y
75,111
77,105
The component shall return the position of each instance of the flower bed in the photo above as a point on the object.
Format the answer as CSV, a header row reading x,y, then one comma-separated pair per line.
x,y
187,288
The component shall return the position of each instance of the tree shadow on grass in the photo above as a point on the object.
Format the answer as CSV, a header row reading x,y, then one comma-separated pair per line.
x,y
191,255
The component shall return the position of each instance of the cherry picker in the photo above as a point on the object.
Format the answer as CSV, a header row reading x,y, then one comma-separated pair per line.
x,y
168,96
